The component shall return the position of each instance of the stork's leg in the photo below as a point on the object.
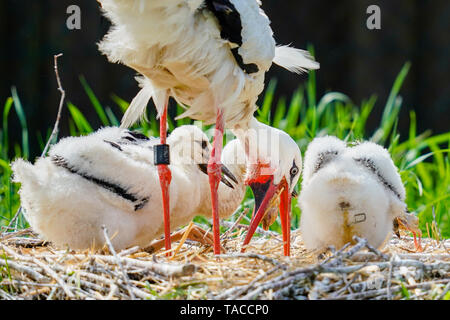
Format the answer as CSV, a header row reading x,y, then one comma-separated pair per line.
x,y
214,173
165,176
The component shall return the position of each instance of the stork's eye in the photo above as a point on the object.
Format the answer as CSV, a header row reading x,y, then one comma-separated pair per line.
x,y
204,144
294,171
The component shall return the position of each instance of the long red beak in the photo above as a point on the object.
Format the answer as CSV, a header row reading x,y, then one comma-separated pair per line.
x,y
265,194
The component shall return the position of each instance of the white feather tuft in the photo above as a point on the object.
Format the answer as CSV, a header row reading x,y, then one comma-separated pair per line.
x,y
137,108
295,60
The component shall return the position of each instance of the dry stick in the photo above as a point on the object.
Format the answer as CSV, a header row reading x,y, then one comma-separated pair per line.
x,y
100,279
124,274
347,286
274,285
444,292
129,251
233,227
55,276
336,254
373,293
25,242
6,296
164,269
55,127
246,288
391,267
254,256
183,239
22,269
259,230
235,292
373,250
16,233
288,278
429,268
369,256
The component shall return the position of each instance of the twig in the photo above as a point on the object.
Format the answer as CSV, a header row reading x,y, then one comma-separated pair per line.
x,y
22,269
254,256
164,269
183,239
259,230
246,288
372,249
233,227
273,285
10,235
6,295
444,292
124,274
128,252
373,293
369,256
55,276
391,267
61,104
55,127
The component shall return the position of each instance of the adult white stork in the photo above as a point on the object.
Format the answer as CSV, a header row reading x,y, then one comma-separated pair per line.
x,y
348,191
69,195
211,56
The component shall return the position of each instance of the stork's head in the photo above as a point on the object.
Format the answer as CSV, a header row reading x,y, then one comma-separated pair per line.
x,y
274,165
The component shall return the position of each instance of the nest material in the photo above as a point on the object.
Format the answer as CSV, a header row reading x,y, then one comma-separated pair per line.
x,y
33,269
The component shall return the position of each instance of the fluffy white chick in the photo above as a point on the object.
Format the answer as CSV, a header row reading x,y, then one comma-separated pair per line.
x,y
348,191
106,178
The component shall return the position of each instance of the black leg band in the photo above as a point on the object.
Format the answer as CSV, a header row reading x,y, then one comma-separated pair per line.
x,y
161,154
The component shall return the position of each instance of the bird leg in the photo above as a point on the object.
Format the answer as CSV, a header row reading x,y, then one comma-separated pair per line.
x,y
162,160
410,223
215,176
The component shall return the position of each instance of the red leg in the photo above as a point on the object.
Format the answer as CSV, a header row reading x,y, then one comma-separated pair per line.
x,y
214,173
164,179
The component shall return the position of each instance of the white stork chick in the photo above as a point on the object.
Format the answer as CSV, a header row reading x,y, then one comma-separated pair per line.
x,y
211,56
348,191
108,178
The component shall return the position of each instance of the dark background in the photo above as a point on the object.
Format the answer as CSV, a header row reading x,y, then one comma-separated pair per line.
x,y
354,60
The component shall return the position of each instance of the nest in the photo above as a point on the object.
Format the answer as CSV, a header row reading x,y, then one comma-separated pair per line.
x,y
33,269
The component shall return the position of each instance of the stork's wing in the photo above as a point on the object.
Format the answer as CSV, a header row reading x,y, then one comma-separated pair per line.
x,y
378,161
320,152
104,159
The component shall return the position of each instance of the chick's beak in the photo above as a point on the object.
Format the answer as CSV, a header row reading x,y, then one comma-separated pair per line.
x,y
227,176
267,196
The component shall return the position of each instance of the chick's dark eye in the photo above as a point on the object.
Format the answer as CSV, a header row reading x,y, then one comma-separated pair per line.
x,y
204,144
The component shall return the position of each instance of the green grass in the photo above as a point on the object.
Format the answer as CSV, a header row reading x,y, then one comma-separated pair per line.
x,y
421,157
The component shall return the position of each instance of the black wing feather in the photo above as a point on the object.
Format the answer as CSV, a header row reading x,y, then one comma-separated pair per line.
x,y
230,23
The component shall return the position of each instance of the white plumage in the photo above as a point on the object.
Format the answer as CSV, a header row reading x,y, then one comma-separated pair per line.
x,y
349,191
183,50
108,178
211,56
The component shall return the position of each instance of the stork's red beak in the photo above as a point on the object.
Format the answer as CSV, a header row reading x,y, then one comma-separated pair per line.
x,y
266,194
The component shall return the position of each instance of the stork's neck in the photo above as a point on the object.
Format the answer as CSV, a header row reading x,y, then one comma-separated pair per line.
x,y
254,137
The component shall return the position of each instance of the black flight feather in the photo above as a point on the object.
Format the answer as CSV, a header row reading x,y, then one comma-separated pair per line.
x,y
230,23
